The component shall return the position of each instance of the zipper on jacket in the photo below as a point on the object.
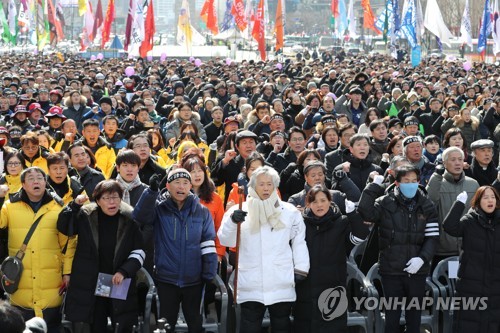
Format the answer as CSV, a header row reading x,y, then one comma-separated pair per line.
x,y
186,229
175,228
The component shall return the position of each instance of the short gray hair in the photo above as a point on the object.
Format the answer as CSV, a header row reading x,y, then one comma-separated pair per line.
x,y
396,160
267,171
446,153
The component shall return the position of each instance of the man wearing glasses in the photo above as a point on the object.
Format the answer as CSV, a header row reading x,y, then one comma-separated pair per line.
x,y
46,269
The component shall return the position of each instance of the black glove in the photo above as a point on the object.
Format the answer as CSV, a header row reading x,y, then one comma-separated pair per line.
x,y
299,278
154,182
238,216
338,175
439,169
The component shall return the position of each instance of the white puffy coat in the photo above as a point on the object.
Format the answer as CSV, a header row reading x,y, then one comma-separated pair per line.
x,y
269,257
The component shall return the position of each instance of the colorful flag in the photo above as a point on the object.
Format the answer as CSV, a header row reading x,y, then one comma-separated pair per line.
x,y
130,22
279,27
228,21
184,29
341,22
434,22
496,28
149,31
238,11
12,19
334,6
385,30
4,26
351,22
485,30
82,7
259,31
409,24
88,25
209,16
55,27
98,19
42,25
368,16
23,19
108,20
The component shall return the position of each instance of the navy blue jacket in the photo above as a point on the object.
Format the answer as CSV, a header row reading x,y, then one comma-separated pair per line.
x,y
184,239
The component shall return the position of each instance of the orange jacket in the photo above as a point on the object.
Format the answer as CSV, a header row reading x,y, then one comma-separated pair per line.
x,y
216,208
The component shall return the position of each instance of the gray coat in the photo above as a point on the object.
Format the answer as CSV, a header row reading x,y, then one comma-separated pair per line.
x,y
443,191
343,106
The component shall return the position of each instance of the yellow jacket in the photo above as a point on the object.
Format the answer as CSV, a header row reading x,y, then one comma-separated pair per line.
x,y
105,160
38,162
74,187
44,264
14,183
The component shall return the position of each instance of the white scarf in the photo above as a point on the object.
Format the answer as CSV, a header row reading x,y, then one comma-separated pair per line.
x,y
261,212
127,187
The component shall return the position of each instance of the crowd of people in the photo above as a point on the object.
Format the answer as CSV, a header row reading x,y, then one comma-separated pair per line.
x,y
118,172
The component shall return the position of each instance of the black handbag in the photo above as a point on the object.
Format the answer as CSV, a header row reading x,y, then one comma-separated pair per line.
x,y
12,266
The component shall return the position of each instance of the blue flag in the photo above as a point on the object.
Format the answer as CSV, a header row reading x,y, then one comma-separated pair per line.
x,y
409,24
485,30
228,21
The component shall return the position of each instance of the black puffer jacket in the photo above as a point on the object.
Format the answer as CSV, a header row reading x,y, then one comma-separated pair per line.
x,y
402,227
479,272
328,267
128,259
359,169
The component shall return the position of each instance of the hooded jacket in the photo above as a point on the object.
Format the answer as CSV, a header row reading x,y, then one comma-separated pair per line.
x,y
172,130
44,264
128,259
479,272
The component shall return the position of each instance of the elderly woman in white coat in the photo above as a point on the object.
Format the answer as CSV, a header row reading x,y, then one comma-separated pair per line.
x,y
273,253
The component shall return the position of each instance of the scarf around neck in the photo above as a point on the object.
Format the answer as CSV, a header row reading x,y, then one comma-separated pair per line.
x,y
127,187
261,211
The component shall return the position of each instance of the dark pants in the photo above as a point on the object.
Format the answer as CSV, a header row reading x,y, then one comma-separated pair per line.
x,y
190,297
103,308
252,314
52,317
399,286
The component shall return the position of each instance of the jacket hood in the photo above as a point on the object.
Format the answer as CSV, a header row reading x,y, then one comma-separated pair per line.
x,y
195,115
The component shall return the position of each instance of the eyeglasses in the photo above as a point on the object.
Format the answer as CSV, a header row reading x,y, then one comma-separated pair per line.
x,y
297,140
141,145
13,163
109,199
32,148
34,179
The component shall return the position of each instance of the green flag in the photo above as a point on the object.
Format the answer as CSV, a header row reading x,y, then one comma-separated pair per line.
x,y
4,25
393,111
421,128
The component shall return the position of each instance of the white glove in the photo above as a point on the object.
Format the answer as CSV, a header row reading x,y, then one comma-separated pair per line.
x,y
462,197
378,179
349,206
413,265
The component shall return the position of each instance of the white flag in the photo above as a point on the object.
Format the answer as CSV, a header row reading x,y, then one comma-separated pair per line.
x,y
434,22
495,27
351,21
12,18
465,28
137,35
